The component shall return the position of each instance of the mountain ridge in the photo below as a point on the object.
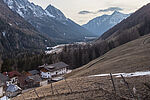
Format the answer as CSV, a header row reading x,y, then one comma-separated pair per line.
x,y
133,23
16,34
50,21
101,24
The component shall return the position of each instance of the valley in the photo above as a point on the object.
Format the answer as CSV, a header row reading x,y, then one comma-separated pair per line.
x,y
92,81
45,55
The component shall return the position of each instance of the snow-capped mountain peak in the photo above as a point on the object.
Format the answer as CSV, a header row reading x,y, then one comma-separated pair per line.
x,y
103,23
55,12
26,9
50,21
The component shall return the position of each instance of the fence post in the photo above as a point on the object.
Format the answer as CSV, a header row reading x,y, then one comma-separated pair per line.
x,y
113,82
36,94
131,93
52,88
23,97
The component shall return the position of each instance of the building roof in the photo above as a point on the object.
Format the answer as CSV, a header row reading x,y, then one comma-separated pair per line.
x,y
13,88
34,72
35,78
58,65
21,80
54,67
12,74
3,78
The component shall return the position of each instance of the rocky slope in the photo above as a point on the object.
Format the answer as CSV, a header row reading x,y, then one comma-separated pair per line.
x,y
50,21
16,34
101,24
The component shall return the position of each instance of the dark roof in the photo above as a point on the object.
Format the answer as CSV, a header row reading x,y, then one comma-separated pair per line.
x,y
35,78
3,78
22,82
12,74
56,66
34,72
60,65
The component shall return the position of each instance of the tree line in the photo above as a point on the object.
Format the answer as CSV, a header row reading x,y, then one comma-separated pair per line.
x,y
75,55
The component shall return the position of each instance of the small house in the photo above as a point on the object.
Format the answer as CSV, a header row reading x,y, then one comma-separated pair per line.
x,y
3,81
2,84
13,90
56,69
4,78
33,81
13,77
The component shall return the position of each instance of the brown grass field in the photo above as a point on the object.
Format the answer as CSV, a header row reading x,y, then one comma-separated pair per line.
x,y
91,88
131,57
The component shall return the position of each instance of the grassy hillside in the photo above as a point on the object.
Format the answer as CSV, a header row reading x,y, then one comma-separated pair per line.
x,y
130,57
89,88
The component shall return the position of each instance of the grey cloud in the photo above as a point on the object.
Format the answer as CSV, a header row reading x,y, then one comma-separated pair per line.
x,y
110,9
84,12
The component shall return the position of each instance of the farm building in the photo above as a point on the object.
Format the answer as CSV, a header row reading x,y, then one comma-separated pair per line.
x,y
33,81
13,90
13,77
49,71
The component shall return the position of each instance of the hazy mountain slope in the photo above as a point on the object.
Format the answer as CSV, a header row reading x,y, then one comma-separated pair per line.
x,y
101,24
50,21
137,23
130,57
16,34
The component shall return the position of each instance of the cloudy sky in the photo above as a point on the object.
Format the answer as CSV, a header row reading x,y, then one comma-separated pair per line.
x,y
81,11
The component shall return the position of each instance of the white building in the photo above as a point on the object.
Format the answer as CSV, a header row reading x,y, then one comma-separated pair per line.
x,y
49,71
13,77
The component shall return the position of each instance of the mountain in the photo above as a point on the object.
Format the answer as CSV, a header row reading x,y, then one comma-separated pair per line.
x,y
134,26
101,24
50,21
16,34
125,56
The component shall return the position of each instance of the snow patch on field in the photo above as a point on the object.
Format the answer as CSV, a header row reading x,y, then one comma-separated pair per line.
x,y
134,74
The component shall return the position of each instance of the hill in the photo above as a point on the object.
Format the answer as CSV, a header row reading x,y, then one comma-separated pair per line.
x,y
101,24
130,57
122,49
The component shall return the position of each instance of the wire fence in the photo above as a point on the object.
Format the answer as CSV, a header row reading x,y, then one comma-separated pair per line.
x,y
83,92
